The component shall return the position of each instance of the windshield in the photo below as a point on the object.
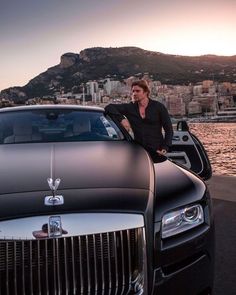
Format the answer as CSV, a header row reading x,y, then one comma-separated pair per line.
x,y
56,125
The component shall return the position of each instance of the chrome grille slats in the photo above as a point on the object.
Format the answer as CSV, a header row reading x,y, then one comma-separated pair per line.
x,y
31,267
15,271
38,267
54,267
109,263
66,266
122,262
23,266
81,267
58,267
95,265
129,255
101,263
73,266
45,245
116,263
88,265
7,270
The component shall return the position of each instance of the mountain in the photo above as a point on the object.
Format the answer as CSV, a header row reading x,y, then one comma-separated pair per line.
x,y
97,63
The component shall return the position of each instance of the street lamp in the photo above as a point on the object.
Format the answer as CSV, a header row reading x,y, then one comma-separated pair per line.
x,y
83,94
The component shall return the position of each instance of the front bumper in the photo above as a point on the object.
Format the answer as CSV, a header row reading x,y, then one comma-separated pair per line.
x,y
187,266
194,279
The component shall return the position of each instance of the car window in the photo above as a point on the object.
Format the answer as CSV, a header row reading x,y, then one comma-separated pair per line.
x,y
56,125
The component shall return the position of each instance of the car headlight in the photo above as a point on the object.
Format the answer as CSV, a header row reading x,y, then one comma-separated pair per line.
x,y
178,221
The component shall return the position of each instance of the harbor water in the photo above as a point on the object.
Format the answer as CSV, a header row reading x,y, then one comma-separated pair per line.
x,y
219,140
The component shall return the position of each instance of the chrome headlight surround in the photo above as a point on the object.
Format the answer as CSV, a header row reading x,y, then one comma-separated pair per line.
x,y
181,220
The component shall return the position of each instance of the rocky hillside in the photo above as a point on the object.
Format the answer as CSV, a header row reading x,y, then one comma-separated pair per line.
x,y
95,63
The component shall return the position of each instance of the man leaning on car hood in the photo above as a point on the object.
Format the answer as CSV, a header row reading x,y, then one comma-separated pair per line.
x,y
146,117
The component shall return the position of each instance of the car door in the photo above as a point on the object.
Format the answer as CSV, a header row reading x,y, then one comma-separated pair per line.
x,y
188,151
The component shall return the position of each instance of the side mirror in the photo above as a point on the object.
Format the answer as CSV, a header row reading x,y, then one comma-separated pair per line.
x,y
182,126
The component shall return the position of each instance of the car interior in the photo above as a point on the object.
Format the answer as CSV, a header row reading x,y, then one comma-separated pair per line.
x,y
22,131
59,127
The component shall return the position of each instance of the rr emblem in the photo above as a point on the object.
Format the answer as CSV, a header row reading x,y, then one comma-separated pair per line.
x,y
55,227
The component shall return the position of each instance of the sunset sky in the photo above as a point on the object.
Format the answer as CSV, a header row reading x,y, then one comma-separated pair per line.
x,y
34,34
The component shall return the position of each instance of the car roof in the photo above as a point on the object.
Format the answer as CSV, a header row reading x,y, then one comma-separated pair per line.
x,y
37,107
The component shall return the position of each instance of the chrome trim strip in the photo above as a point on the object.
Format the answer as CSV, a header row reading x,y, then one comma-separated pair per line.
x,y
54,266
81,267
73,266
102,262
77,224
31,268
58,266
23,267
144,250
38,261
46,266
123,261
129,257
15,282
95,265
109,261
116,261
7,271
66,265
88,265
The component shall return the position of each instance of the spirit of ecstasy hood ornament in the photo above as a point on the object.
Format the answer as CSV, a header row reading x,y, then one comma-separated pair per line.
x,y
54,199
54,186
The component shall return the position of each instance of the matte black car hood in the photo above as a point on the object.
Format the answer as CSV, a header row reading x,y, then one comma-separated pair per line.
x,y
26,167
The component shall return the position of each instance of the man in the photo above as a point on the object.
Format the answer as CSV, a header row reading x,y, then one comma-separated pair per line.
x,y
146,117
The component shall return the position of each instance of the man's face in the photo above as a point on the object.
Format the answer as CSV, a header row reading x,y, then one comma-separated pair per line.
x,y
138,93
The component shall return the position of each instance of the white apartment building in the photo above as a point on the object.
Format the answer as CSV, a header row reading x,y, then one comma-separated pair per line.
x,y
110,86
92,88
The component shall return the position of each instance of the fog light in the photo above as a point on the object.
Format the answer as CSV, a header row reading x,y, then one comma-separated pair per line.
x,y
182,220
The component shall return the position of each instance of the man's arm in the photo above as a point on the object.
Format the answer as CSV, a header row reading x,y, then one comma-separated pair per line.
x,y
117,112
167,126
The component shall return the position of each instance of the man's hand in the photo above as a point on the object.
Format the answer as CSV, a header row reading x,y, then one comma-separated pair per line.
x,y
162,152
125,123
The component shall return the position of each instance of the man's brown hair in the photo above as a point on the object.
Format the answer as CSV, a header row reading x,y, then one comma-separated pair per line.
x,y
142,84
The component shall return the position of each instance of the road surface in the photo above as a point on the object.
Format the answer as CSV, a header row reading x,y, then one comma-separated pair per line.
x,y
223,192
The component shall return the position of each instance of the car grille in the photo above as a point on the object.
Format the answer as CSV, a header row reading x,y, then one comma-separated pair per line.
x,y
106,263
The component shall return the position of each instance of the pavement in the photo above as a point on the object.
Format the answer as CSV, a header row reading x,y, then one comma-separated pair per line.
x,y
223,187
223,193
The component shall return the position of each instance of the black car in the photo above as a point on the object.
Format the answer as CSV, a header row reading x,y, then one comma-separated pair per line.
x,y
85,210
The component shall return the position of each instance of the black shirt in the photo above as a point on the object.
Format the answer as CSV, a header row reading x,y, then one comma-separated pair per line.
x,y
147,131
